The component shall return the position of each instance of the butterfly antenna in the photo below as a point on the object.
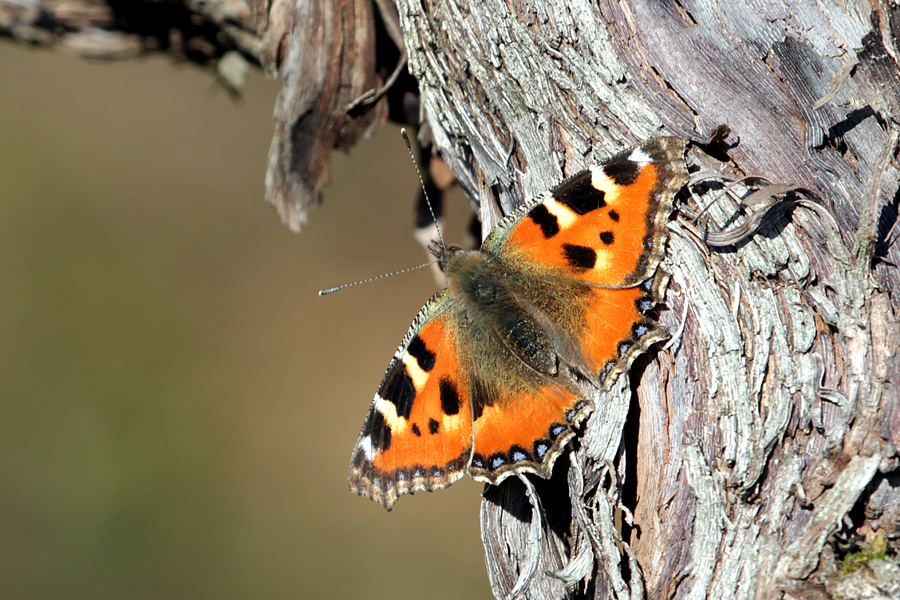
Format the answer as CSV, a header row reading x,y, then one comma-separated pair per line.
x,y
371,279
424,191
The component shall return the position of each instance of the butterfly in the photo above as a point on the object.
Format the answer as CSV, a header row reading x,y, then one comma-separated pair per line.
x,y
498,369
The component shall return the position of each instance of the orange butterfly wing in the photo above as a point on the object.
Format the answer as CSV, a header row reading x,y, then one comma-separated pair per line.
x,y
418,433
524,432
606,226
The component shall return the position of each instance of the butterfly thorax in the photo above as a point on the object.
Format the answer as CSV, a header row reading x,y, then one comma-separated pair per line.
x,y
494,312
473,279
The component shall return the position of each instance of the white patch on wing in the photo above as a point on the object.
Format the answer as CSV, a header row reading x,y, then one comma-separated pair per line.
x,y
565,216
418,376
450,423
387,409
604,183
640,157
368,450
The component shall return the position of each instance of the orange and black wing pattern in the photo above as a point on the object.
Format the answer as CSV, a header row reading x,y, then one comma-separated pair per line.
x,y
418,433
605,226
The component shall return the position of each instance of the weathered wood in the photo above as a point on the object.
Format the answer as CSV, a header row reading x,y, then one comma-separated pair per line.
x,y
758,447
196,31
750,439
324,51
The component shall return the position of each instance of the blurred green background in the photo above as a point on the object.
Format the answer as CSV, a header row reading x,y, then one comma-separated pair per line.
x,y
177,405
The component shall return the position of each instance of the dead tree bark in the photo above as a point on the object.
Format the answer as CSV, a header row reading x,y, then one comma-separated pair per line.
x,y
756,454
747,453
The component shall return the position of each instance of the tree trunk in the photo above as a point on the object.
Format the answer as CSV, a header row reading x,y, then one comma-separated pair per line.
x,y
755,454
745,457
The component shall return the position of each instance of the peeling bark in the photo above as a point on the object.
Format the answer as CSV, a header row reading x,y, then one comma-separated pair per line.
x,y
751,441
324,51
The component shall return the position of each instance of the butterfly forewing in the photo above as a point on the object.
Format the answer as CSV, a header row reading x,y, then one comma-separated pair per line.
x,y
605,225
418,434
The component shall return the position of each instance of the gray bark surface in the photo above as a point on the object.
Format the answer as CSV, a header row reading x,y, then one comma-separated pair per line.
x,y
751,454
753,443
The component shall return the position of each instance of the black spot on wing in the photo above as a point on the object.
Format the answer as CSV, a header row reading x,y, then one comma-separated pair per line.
x,y
579,194
614,215
544,219
580,257
622,170
379,432
415,430
433,426
607,237
449,397
399,390
477,410
421,353
480,397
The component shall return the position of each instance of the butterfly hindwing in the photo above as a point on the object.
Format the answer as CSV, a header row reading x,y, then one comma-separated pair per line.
x,y
524,431
418,433
614,343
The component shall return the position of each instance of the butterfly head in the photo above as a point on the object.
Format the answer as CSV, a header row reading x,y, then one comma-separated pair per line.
x,y
443,253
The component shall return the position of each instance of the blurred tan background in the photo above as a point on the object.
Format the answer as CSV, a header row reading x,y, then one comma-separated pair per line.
x,y
177,405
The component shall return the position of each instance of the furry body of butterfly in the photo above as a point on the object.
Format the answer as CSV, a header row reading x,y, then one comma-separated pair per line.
x,y
499,368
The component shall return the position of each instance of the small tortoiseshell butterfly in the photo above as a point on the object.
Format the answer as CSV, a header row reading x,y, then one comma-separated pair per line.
x,y
499,367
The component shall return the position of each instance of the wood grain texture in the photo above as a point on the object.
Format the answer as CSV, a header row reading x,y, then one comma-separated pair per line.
x,y
324,51
752,440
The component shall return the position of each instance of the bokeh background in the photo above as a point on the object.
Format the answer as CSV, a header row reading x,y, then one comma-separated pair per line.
x,y
177,405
